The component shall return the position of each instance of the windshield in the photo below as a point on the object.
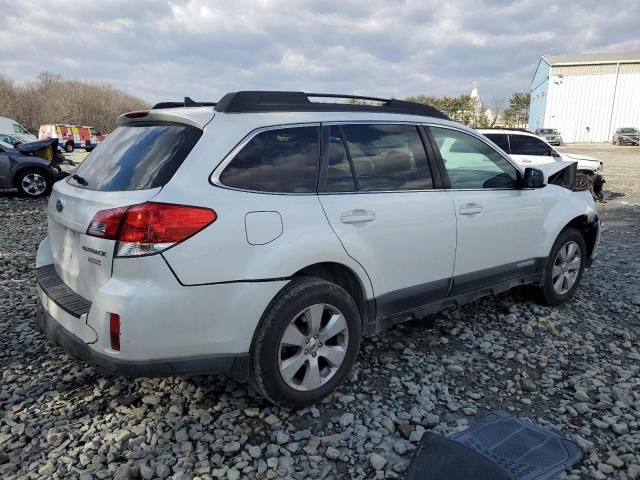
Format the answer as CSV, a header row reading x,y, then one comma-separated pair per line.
x,y
629,130
549,131
137,157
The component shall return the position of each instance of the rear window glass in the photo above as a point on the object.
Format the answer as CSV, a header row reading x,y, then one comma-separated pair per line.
x,y
528,145
137,157
499,139
387,157
279,161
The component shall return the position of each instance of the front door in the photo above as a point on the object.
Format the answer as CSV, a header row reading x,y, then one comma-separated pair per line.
x,y
499,224
377,192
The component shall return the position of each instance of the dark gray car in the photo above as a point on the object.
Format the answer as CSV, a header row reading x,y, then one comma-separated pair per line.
x,y
626,136
32,167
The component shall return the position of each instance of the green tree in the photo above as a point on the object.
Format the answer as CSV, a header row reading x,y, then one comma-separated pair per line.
x,y
517,114
461,109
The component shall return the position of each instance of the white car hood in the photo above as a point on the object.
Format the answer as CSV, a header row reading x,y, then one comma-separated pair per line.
x,y
579,156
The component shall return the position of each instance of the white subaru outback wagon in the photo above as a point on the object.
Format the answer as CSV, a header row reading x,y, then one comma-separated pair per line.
x,y
265,235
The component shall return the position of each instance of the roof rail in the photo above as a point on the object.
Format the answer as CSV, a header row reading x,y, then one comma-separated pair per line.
x,y
507,128
188,102
272,101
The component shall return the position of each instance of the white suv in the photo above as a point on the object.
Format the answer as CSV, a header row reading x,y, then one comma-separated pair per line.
x,y
528,149
265,235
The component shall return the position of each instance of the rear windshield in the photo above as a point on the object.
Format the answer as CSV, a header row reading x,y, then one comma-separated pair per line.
x,y
548,131
137,157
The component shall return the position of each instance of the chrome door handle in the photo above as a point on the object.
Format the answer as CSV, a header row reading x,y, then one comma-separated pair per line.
x,y
470,209
359,215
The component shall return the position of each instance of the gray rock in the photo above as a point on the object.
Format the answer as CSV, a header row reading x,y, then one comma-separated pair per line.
x,y
347,419
254,451
146,472
231,447
332,453
581,396
377,461
431,420
151,400
455,369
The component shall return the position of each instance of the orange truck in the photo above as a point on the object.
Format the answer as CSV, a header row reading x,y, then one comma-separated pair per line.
x,y
71,137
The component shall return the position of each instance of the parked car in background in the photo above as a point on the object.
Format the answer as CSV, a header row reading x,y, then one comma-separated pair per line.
x,y
10,127
72,136
264,235
626,136
9,139
31,167
530,150
551,135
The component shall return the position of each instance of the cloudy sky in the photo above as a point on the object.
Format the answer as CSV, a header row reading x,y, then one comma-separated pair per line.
x,y
166,49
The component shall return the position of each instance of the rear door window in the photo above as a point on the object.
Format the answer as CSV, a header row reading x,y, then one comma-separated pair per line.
x,y
137,157
386,157
499,139
339,172
283,160
526,145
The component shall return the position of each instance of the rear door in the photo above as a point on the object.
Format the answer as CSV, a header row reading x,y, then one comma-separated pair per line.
x,y
377,190
130,168
530,151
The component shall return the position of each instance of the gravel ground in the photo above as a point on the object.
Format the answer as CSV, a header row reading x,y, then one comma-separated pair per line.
x,y
574,368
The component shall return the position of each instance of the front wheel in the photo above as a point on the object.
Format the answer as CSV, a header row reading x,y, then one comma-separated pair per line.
x,y
69,147
564,268
306,344
583,181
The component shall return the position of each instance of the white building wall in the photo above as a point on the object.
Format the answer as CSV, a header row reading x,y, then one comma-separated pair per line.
x,y
587,103
626,112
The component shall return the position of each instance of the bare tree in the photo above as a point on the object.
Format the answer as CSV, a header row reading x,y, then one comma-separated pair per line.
x,y
50,98
497,107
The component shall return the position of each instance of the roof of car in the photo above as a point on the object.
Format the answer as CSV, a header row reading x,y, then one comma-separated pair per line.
x,y
506,131
285,101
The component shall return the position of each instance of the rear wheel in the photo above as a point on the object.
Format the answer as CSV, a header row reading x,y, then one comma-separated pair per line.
x,y
69,147
564,268
33,183
306,344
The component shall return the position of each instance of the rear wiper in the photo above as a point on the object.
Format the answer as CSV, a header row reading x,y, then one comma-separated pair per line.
x,y
79,179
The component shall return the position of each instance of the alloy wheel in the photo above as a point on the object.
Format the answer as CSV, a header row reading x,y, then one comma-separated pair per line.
x,y
34,184
313,347
566,267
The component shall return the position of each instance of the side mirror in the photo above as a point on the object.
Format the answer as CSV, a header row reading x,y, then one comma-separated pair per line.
x,y
533,178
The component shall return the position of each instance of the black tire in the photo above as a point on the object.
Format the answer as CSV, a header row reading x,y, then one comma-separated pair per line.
x,y
300,294
546,293
33,173
69,147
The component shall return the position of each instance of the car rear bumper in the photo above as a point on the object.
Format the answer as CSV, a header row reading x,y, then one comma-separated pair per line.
x,y
230,364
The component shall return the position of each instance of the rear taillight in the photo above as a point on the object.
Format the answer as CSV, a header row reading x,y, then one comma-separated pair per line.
x,y
114,330
150,227
106,223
